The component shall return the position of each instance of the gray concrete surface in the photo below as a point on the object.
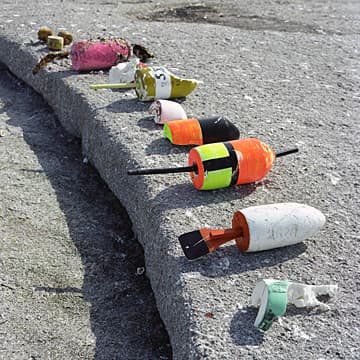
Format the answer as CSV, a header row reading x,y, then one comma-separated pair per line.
x,y
287,73
72,284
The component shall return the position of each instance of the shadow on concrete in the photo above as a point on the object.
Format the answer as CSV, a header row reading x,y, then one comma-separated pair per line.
x,y
132,104
292,310
163,146
179,196
242,331
127,105
148,123
123,314
228,260
249,334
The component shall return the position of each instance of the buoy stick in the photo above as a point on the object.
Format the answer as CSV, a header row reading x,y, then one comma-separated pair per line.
x,y
113,86
286,152
162,170
188,168
200,242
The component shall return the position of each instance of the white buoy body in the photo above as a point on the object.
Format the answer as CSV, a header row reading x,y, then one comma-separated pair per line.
x,y
166,110
277,225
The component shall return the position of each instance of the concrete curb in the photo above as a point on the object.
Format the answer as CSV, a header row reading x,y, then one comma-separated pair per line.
x,y
103,148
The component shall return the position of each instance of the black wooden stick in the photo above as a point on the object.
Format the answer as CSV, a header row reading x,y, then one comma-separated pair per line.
x,y
162,170
286,152
189,168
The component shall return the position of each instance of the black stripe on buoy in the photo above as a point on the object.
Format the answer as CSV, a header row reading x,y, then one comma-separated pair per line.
x,y
234,162
218,129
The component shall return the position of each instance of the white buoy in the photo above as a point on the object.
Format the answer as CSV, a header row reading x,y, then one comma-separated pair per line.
x,y
273,296
123,72
271,226
166,110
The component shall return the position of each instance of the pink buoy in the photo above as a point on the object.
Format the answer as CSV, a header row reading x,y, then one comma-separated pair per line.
x,y
99,54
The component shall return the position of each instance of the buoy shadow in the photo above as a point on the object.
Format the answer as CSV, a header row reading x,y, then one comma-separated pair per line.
x,y
242,329
181,196
163,146
147,122
292,310
127,105
228,260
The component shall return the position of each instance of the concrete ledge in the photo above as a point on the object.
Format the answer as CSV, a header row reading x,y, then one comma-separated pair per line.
x,y
107,148
204,304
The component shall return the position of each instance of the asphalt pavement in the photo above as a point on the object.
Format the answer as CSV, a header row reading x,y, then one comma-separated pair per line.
x,y
72,273
284,72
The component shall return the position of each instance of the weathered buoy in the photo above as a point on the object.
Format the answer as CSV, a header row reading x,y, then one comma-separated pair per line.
x,y
257,228
99,54
200,131
160,83
222,164
143,53
55,43
124,72
166,110
67,36
276,225
152,83
272,297
43,33
92,55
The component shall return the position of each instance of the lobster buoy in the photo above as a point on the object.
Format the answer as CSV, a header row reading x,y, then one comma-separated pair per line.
x,y
272,297
152,83
271,226
160,83
224,164
99,54
89,55
219,165
257,228
166,110
124,72
200,131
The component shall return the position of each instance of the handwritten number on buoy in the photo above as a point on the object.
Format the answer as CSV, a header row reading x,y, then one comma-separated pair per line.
x,y
160,75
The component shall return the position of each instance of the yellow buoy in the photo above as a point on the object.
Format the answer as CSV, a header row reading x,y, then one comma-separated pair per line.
x,y
43,33
55,42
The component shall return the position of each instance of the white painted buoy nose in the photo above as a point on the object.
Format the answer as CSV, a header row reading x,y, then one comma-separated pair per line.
x,y
166,110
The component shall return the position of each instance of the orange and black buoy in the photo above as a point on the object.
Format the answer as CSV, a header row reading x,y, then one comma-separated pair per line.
x,y
200,131
222,164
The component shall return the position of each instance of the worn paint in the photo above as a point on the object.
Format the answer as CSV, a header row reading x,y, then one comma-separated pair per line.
x,y
276,225
99,54
166,110
154,83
